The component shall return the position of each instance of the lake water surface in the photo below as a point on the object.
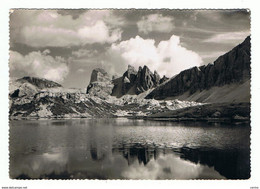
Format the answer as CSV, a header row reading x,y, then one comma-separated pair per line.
x,y
128,149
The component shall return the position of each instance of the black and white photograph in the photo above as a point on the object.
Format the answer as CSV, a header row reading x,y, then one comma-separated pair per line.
x,y
130,94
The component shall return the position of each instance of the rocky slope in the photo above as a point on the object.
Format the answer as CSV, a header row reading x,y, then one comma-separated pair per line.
x,y
58,102
59,105
230,68
41,98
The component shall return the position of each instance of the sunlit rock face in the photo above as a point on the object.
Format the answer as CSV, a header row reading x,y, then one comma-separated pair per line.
x,y
100,83
135,82
27,86
232,67
39,82
99,75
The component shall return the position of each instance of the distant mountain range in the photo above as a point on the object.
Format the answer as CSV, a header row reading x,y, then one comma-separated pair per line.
x,y
143,93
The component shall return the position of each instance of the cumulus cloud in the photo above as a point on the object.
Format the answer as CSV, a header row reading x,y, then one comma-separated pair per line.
x,y
155,22
168,57
39,64
49,28
228,37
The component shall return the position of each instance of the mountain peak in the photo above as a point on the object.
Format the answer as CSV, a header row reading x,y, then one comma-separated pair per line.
x,y
99,75
131,68
100,83
135,82
41,83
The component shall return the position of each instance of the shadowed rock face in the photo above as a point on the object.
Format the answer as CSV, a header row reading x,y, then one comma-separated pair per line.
x,y
135,82
146,79
128,79
100,83
232,67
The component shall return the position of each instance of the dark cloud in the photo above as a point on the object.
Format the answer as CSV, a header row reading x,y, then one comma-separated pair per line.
x,y
75,13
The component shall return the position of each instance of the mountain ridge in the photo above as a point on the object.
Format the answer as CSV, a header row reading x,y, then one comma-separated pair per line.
x,y
232,67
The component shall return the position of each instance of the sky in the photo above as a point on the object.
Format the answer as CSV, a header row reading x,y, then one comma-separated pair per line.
x,y
66,45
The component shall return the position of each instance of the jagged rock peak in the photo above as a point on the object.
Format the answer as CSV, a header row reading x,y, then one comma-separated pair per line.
x,y
41,83
155,73
130,74
131,68
157,77
145,79
145,67
100,84
99,75
135,82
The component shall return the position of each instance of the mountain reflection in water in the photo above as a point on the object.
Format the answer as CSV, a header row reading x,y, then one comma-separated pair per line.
x,y
127,149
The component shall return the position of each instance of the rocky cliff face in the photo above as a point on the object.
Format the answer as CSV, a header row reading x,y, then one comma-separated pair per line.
x,y
99,75
100,83
135,82
232,67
